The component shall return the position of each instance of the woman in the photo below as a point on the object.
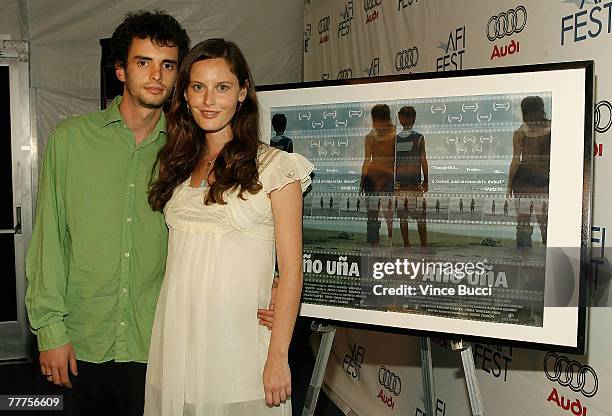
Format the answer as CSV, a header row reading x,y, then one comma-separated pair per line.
x,y
226,197
529,172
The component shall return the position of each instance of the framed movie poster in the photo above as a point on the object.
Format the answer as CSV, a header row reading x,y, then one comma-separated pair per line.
x,y
453,203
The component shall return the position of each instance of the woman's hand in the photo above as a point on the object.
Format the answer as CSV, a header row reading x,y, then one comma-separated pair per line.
x,y
276,380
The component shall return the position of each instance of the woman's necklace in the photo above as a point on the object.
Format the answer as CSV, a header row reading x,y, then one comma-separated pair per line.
x,y
207,168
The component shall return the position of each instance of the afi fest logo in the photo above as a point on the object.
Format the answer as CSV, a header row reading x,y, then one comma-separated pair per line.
x,y
371,8
402,4
603,122
346,19
440,409
587,23
506,24
353,361
493,359
452,60
307,31
374,68
323,29
570,373
406,59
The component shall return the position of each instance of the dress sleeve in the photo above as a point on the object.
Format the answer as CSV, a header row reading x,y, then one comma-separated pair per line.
x,y
286,168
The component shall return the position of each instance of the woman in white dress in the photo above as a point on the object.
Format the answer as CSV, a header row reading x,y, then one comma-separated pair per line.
x,y
231,204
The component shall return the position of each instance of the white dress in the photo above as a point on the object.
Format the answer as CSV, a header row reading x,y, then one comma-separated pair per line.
x,y
208,350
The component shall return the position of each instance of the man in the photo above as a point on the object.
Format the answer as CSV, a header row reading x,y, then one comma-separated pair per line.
x,y
377,168
280,141
411,172
97,256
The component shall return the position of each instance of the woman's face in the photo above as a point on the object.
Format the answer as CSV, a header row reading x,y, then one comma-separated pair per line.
x,y
213,94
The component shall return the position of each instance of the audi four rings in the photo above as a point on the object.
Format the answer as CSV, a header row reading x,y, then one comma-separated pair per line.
x,y
408,58
603,116
390,380
573,374
507,23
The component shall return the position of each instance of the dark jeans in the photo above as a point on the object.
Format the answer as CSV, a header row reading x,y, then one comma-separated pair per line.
x,y
109,388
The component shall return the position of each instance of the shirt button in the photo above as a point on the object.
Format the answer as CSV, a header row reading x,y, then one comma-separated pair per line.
x,y
127,254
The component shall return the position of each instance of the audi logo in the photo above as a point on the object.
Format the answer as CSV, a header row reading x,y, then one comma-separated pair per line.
x,y
370,4
345,73
390,380
507,23
323,25
603,116
408,58
569,373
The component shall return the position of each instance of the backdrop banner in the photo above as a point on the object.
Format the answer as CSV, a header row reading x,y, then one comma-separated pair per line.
x,y
374,374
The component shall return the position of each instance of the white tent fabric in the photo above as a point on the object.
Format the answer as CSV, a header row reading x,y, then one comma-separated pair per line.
x,y
65,49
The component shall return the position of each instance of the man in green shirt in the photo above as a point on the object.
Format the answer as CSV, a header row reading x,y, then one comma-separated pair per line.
x,y
96,260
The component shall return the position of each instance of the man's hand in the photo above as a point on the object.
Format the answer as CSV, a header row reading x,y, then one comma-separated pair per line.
x,y
266,316
54,364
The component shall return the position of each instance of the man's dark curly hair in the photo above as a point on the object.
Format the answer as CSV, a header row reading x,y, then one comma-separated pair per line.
x,y
160,27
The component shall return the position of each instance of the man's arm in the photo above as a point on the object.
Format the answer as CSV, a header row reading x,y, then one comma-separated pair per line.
x,y
424,165
45,264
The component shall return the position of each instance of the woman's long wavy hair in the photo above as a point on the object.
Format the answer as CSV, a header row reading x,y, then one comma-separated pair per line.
x,y
236,164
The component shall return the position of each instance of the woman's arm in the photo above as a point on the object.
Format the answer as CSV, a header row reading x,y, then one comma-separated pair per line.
x,y
516,157
287,211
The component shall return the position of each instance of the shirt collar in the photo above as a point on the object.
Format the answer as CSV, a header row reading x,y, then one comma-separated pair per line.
x,y
112,115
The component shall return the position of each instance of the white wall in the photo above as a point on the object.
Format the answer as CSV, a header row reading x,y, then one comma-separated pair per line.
x,y
65,46
10,19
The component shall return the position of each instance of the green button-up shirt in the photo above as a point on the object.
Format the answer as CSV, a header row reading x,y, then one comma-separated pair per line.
x,y
97,256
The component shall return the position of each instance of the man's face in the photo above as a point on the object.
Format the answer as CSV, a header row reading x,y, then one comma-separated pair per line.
x,y
149,73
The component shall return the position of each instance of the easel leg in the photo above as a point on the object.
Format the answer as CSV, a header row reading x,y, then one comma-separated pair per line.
x,y
429,392
471,380
316,381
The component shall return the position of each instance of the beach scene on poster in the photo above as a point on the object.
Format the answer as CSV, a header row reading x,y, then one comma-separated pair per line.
x,y
434,206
